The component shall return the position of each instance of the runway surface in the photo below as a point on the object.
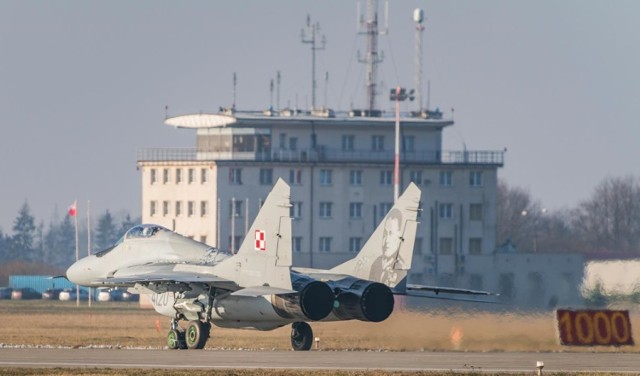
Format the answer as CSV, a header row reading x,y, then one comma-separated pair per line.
x,y
316,360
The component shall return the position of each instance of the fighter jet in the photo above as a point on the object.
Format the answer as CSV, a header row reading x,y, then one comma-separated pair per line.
x,y
257,287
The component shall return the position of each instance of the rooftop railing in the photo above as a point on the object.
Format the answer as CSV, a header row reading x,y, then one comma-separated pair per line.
x,y
322,154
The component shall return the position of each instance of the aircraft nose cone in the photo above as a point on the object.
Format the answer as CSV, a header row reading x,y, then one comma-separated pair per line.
x,y
78,273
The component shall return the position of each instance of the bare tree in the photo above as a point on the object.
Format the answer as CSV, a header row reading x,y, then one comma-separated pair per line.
x,y
610,219
515,216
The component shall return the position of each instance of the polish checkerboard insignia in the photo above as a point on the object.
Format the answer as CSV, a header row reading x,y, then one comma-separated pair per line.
x,y
261,244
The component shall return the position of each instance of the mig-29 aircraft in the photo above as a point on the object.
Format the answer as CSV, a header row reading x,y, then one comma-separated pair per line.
x,y
257,288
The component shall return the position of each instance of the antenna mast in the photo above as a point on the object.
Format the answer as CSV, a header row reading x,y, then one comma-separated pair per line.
x,y
372,59
309,36
278,91
418,18
326,88
235,83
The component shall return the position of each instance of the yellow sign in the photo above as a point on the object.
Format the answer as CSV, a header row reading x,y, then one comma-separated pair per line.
x,y
594,327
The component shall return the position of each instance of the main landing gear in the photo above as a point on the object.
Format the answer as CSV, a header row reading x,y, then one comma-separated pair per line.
x,y
301,336
194,337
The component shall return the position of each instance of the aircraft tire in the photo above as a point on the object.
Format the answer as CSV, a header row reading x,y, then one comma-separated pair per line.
x,y
174,341
181,340
196,334
301,336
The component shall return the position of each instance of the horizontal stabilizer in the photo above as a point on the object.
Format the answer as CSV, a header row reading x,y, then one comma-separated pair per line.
x,y
447,290
449,298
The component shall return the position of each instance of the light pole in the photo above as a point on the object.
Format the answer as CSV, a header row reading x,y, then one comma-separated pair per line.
x,y
398,94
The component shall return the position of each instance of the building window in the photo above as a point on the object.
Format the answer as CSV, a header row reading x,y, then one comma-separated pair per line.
x,y
204,175
152,208
296,243
204,208
475,246
191,208
386,177
475,178
203,239
325,177
445,178
266,176
283,140
377,143
296,209
348,142
178,175
384,208
235,176
191,176
153,176
235,208
408,143
416,177
446,211
178,208
355,177
355,210
165,176
325,209
293,143
165,208
355,244
475,212
295,177
417,246
325,244
446,246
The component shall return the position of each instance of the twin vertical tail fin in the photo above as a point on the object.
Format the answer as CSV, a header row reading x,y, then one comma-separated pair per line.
x,y
264,257
386,256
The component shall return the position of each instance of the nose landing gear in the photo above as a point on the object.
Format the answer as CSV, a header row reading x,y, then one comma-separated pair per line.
x,y
194,337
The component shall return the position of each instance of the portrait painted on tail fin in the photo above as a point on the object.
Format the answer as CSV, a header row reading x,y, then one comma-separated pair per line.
x,y
383,267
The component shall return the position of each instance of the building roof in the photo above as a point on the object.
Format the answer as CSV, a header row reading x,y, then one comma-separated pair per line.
x,y
258,119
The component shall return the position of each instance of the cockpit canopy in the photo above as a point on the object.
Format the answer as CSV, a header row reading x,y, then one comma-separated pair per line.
x,y
143,231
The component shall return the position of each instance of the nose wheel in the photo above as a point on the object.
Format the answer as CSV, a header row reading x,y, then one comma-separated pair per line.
x,y
301,336
194,337
175,339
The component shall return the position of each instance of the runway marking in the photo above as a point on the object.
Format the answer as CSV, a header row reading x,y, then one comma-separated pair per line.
x,y
309,368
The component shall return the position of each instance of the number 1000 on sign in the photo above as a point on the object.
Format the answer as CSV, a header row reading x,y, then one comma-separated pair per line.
x,y
594,327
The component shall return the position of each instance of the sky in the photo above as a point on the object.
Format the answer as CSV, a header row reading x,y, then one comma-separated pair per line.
x,y
84,85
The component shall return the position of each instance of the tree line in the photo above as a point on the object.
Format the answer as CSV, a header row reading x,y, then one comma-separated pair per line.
x,y
605,225
55,245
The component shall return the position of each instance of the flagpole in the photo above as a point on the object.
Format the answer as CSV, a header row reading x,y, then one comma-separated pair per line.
x,y
89,240
75,221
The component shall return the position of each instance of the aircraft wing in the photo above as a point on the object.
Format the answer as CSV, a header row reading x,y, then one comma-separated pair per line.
x,y
262,290
166,277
